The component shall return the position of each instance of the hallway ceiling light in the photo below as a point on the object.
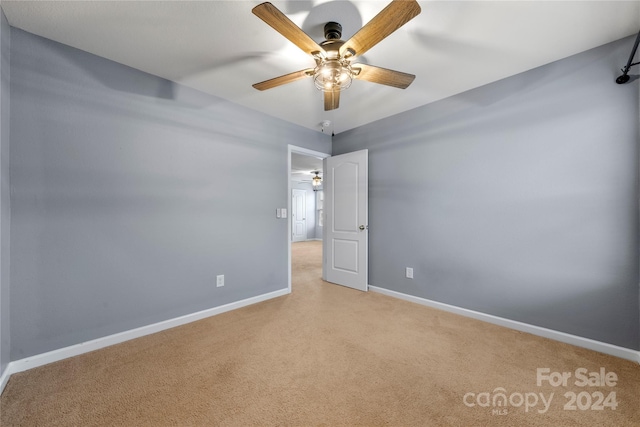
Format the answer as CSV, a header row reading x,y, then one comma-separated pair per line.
x,y
316,181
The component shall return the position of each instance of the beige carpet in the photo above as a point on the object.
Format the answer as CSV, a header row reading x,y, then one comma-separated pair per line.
x,y
324,355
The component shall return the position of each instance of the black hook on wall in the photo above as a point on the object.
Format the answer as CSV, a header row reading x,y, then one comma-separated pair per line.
x,y
625,77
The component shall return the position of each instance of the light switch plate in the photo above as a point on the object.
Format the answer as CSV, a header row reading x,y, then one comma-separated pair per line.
x,y
409,273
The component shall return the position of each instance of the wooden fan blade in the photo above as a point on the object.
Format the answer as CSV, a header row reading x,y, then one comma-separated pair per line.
x,y
392,17
331,100
287,78
279,22
382,76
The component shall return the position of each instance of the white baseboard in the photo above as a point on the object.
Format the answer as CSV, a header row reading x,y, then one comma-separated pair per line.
x,y
613,350
85,347
4,378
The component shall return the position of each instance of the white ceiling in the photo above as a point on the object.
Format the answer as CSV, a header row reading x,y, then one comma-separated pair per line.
x,y
303,167
221,48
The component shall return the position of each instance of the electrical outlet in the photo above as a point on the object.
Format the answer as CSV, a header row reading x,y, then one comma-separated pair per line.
x,y
220,280
409,273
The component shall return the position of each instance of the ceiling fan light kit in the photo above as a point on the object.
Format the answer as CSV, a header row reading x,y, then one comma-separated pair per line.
x,y
334,70
332,74
316,181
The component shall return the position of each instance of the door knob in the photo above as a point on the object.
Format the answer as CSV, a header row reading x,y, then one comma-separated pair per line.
x,y
361,227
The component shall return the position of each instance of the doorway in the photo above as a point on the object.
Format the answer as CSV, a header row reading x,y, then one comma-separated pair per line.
x,y
302,165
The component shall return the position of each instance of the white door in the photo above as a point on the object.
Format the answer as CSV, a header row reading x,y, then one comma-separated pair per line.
x,y
345,249
298,215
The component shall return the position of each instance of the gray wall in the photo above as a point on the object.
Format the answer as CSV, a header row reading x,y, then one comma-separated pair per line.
x,y
5,202
131,193
517,199
311,206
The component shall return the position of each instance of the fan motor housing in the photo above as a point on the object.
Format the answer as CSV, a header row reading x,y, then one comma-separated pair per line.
x,y
332,31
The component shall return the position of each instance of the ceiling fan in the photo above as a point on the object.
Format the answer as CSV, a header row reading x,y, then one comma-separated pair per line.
x,y
334,69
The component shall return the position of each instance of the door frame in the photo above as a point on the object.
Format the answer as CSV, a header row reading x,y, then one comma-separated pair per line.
x,y
306,152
